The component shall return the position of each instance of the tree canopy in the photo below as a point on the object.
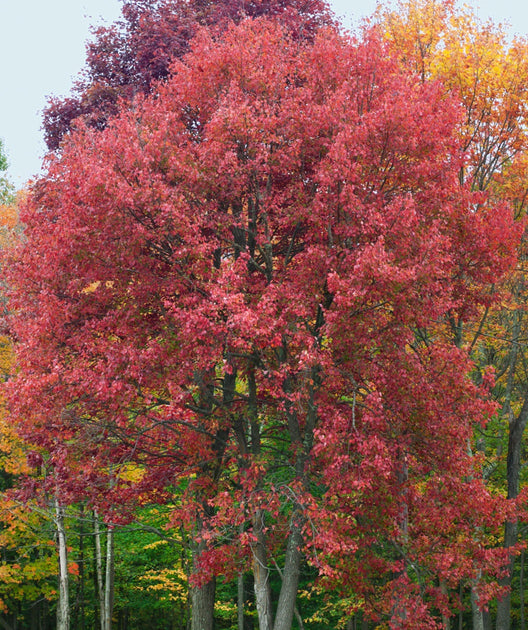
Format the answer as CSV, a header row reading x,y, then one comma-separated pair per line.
x,y
131,56
241,286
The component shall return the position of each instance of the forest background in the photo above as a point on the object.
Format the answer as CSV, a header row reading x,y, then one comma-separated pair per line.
x,y
264,344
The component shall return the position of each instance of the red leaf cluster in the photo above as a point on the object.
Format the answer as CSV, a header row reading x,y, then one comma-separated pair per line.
x,y
132,55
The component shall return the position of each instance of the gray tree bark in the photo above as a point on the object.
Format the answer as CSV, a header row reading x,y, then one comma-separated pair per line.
x,y
202,597
63,605
99,569
109,579
105,575
202,605
261,575
478,615
290,580
202,600
240,601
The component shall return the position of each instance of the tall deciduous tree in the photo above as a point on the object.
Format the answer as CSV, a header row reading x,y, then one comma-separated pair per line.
x,y
228,285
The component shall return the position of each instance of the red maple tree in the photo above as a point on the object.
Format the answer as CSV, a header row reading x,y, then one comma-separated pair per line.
x,y
240,286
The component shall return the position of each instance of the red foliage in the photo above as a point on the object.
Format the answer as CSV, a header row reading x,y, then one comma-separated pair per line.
x,y
135,53
240,285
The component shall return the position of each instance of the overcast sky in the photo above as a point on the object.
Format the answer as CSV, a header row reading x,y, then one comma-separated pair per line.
x,y
42,50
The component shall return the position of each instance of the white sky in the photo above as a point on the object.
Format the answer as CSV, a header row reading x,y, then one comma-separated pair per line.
x,y
42,50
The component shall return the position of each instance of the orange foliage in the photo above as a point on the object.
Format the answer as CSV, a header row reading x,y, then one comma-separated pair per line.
x,y
477,61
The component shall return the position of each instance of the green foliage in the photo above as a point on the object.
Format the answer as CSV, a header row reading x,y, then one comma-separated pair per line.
x,y
150,572
3,158
7,190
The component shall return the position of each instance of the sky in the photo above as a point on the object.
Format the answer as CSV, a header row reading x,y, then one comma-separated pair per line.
x,y
42,50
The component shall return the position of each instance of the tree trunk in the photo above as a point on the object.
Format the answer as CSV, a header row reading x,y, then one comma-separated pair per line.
x,y
516,429
261,575
290,578
81,568
504,604
240,601
241,595
109,579
446,621
478,616
521,591
78,617
105,583
99,569
63,605
202,603
513,471
202,597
